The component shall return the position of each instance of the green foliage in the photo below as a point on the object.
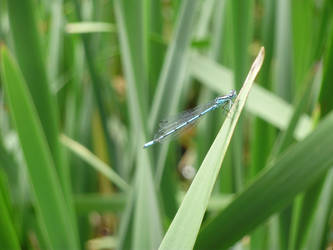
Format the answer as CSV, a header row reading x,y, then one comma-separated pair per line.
x,y
50,203
84,85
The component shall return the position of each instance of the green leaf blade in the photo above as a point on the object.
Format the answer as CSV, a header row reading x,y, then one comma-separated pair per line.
x,y
49,200
183,230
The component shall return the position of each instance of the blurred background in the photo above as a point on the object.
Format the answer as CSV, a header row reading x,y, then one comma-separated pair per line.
x,y
84,85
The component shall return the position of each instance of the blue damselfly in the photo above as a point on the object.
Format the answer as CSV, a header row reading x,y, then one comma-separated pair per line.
x,y
170,127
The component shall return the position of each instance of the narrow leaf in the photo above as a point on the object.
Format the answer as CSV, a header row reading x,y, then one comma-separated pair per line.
x,y
94,161
184,228
49,200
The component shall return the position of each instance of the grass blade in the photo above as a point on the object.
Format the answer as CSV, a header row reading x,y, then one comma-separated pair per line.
x,y
175,58
147,227
173,75
242,21
196,199
316,234
27,43
8,236
94,161
97,83
50,202
142,211
263,133
89,27
283,51
86,203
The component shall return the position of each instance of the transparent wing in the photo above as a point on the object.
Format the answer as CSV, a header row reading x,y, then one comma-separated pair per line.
x,y
167,126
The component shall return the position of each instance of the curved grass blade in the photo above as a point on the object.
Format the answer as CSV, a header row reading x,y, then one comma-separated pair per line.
x,y
29,54
27,44
49,200
96,163
184,228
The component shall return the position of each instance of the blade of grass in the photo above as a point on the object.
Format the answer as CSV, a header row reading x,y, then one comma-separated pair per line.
x,y
184,228
157,47
163,152
87,203
97,83
221,51
52,67
316,235
126,223
8,235
89,27
286,138
262,132
93,160
242,12
27,44
262,135
135,20
146,208
284,84
324,27
242,17
142,213
173,75
295,171
50,202
55,41
283,51
131,65
175,58
304,39
326,103
202,27
208,128
218,31
227,50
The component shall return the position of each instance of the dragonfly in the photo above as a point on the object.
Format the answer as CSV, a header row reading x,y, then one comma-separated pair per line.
x,y
171,127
